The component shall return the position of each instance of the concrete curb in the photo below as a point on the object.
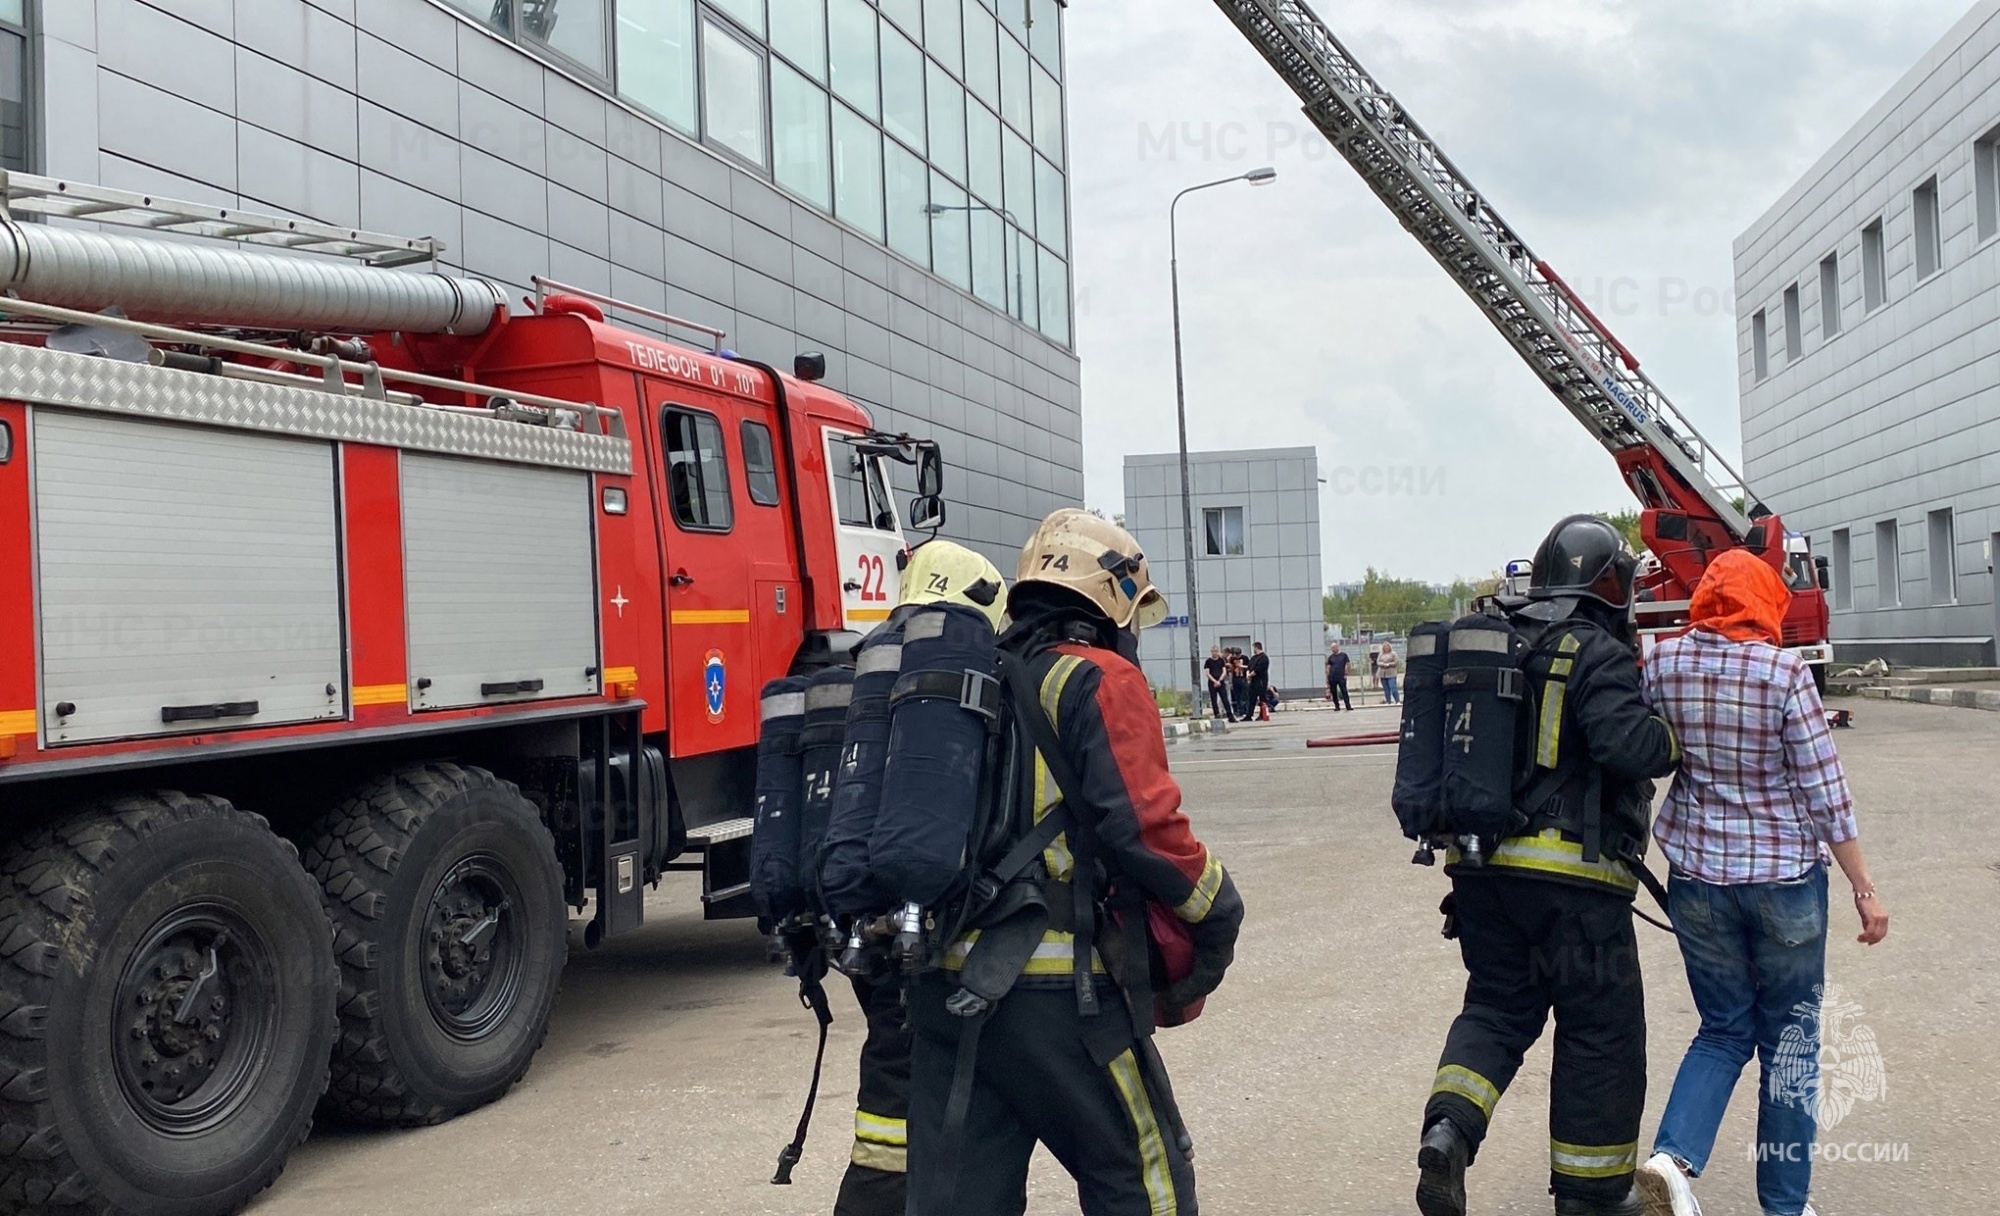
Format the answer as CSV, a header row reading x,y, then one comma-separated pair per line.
x,y
1200,726
1956,698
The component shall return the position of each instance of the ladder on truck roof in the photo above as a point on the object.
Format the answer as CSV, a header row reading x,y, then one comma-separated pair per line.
x,y
27,194
1588,369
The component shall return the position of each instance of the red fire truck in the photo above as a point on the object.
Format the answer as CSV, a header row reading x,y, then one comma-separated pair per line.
x,y
356,633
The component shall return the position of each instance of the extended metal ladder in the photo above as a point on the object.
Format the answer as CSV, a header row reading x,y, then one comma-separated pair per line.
x,y
1591,372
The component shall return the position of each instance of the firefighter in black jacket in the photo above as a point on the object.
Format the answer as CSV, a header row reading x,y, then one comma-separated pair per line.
x,y
1061,1060
1546,921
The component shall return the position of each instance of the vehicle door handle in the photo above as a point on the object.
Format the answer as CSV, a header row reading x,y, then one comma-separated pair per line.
x,y
681,578
850,585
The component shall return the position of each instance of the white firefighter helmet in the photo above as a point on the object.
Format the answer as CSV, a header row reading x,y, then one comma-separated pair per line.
x,y
941,572
1098,560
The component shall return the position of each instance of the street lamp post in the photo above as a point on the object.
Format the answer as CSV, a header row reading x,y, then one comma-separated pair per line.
x,y
1020,291
1256,177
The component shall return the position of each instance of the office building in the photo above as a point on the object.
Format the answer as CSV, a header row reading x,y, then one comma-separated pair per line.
x,y
1869,344
1257,559
883,182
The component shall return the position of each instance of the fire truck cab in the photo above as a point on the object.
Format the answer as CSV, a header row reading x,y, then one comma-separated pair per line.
x,y
358,635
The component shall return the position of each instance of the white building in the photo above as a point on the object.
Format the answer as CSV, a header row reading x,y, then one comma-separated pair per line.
x,y
1257,560
1870,359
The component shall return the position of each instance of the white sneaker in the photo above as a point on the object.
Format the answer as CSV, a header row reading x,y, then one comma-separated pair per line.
x,y
1664,1190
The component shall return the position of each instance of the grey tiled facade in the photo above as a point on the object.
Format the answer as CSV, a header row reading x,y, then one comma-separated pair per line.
x,y
412,117
1869,347
1262,585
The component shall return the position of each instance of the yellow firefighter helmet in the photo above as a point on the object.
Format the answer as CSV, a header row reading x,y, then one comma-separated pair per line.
x,y
941,572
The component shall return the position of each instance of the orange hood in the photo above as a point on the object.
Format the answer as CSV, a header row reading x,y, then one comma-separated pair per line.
x,y
1742,598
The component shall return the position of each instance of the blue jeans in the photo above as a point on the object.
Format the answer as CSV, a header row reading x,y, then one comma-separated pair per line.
x,y
1756,963
1390,693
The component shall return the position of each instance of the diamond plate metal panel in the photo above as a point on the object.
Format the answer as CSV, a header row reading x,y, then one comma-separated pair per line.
x,y
44,377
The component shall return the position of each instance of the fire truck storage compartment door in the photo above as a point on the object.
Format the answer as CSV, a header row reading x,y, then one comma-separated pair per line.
x,y
190,578
501,573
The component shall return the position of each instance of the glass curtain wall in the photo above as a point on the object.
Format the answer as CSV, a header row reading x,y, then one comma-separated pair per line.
x,y
934,126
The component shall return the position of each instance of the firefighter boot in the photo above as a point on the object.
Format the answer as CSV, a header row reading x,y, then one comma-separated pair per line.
x,y
1441,1162
1628,1206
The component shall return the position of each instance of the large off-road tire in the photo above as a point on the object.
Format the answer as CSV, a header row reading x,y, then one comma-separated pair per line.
x,y
166,1009
451,934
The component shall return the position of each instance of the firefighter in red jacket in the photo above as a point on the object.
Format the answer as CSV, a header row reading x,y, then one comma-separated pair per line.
x,y
1061,1060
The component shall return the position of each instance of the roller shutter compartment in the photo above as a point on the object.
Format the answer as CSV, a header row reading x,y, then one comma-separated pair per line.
x,y
501,579
190,578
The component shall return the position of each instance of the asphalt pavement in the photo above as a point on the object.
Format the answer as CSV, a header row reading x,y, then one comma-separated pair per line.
x,y
678,1057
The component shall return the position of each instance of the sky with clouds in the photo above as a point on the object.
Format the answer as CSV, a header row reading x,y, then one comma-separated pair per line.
x,y
1628,141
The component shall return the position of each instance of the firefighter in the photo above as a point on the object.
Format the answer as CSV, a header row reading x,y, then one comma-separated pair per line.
x,y
1059,1058
1546,921
937,571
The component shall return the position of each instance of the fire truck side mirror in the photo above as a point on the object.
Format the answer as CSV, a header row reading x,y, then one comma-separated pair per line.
x,y
1825,569
930,470
810,367
926,513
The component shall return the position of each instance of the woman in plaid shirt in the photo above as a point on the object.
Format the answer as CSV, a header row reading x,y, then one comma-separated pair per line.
x,y
1759,803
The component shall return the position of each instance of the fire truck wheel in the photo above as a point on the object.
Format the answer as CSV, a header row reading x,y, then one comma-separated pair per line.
x,y
166,1009
451,934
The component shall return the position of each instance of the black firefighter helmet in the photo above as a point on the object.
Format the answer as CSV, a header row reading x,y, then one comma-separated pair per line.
x,y
1583,557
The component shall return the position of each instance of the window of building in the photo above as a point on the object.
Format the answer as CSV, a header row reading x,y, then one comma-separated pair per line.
x,y
1888,566
1944,557
1795,341
951,233
1874,267
982,150
697,470
982,53
1829,296
1018,172
944,103
944,33
1222,528
580,31
1015,104
989,259
1024,267
1055,297
798,32
1986,182
732,93
907,13
909,193
801,155
857,172
1843,569
1048,115
1050,221
16,88
850,37
1924,206
748,13
902,89
656,58
1045,36
1760,344
760,464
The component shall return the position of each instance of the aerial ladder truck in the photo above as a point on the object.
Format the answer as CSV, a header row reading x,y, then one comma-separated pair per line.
x,y
1693,504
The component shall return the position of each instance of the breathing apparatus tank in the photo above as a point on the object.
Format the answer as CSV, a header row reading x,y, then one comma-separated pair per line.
x,y
1485,696
826,703
944,709
1417,796
775,882
845,878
